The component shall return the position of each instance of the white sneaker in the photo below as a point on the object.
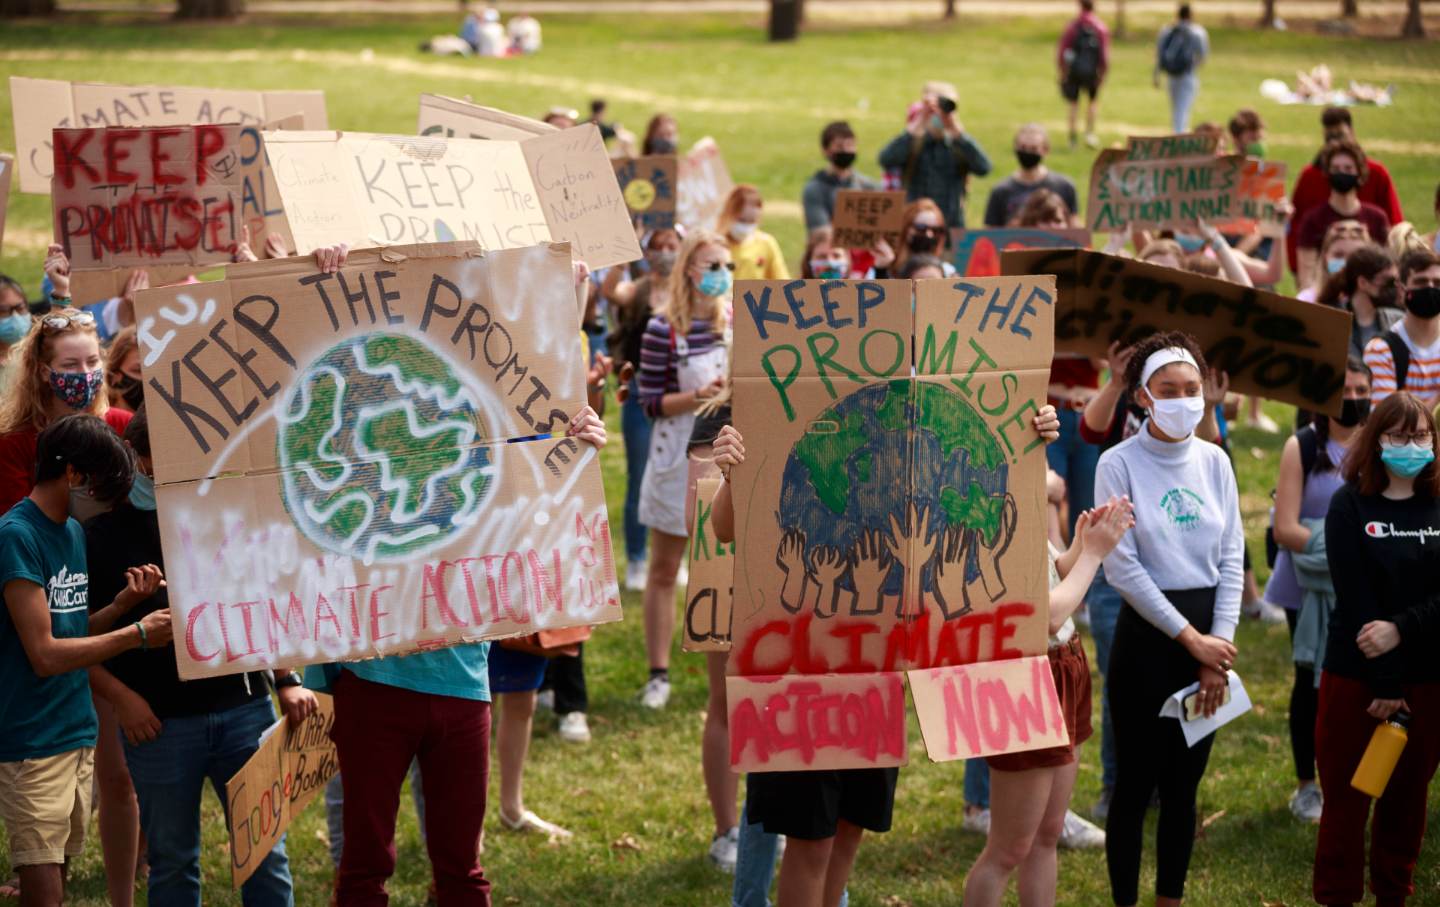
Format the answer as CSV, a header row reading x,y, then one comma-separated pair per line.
x,y
529,822
574,728
1080,834
977,822
635,573
1266,424
725,850
682,577
656,693
1307,802
545,699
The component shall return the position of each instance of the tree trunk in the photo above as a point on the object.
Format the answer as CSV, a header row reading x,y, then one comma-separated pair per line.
x,y
1414,25
949,9
1267,16
209,9
1349,9
1119,18
784,20
10,9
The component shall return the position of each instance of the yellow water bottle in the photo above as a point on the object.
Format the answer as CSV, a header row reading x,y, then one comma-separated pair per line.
x,y
1373,772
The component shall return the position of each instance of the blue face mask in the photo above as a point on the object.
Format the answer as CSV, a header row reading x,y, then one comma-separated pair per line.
x,y
1334,265
1191,244
142,492
14,328
1407,461
715,283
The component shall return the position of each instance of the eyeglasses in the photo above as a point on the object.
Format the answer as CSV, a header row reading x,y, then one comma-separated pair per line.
x,y
717,265
1401,438
54,324
18,308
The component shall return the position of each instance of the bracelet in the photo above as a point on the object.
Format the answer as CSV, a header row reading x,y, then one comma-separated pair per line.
x,y
144,637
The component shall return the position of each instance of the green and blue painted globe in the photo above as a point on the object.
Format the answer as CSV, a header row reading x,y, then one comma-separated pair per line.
x,y
379,449
840,483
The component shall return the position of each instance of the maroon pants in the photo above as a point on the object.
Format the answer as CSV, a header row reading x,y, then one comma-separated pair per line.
x,y
378,729
1342,731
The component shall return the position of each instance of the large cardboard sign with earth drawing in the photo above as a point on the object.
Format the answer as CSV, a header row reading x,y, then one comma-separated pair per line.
x,y
890,519
374,461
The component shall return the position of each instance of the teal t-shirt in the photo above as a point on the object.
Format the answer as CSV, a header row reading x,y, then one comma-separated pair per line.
x,y
42,716
462,671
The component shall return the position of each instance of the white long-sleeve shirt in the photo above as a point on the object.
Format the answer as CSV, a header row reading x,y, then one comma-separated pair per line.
x,y
1187,531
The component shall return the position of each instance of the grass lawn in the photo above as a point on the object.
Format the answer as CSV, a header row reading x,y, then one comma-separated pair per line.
x,y
765,105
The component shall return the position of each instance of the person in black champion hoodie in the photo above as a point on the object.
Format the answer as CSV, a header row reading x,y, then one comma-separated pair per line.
x,y
1382,535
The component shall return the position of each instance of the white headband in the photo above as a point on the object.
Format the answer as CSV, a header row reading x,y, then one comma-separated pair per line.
x,y
1161,358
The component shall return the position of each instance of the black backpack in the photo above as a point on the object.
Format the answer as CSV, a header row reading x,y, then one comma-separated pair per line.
x,y
1400,355
1085,59
1177,54
1309,453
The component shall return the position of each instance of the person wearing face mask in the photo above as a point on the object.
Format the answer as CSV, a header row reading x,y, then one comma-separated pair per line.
x,y
1180,573
922,232
935,156
823,261
1300,583
122,371
1009,195
662,135
756,254
1342,238
1346,168
59,372
15,322
837,143
1368,287
1408,356
682,365
1380,535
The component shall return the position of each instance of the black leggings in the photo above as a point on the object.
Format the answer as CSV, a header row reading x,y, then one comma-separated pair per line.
x,y
1146,668
1304,704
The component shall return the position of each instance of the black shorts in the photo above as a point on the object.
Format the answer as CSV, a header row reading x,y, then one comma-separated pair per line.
x,y
1072,87
810,805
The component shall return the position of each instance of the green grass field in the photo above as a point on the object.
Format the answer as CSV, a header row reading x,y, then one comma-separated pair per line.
x,y
765,105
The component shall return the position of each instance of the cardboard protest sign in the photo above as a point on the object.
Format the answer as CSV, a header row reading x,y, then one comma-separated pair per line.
x,y
43,105
987,709
863,218
163,198
885,522
369,190
977,252
260,208
454,118
1165,192
373,462
711,565
704,182
649,185
1261,192
7,170
292,765
1171,147
1271,346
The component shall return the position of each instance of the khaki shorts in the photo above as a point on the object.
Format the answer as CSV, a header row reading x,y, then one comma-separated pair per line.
x,y
45,804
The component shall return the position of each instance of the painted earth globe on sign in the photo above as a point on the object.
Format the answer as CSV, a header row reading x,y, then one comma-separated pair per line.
x,y
847,476
379,450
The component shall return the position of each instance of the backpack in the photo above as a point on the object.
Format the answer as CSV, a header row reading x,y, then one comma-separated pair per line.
x,y
1309,453
1177,52
1085,59
1400,355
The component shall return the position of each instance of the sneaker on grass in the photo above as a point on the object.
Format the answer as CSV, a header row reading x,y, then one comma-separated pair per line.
x,y
725,850
978,822
1080,833
635,573
1307,802
656,693
574,728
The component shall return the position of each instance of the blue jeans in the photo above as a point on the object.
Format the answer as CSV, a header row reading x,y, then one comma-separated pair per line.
x,y
755,866
977,783
1075,460
335,811
635,426
169,775
1183,90
1104,603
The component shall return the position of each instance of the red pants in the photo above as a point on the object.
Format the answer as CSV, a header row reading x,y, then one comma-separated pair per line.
x,y
1342,731
378,729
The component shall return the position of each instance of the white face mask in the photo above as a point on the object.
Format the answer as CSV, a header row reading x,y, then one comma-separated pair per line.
x,y
1178,416
741,232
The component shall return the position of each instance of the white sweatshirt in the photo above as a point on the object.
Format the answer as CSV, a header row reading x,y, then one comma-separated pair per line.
x,y
1187,531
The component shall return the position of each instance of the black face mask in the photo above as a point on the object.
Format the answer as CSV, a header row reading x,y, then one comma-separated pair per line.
x,y
1028,159
1423,302
1387,295
924,243
1353,412
842,159
1344,182
662,146
131,391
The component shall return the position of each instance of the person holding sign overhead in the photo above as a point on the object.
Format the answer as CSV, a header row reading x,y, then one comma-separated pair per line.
x,y
1180,572
756,254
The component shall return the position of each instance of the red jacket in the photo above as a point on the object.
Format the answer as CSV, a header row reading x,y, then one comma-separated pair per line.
x,y
1067,41
1312,190
17,458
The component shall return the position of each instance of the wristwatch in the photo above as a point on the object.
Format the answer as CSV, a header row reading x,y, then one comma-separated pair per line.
x,y
291,679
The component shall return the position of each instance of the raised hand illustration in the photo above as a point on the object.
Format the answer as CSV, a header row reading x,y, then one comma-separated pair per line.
x,y
791,558
992,550
950,572
869,567
914,540
827,565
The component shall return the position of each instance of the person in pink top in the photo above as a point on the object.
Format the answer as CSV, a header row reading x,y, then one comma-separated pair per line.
x,y
1083,58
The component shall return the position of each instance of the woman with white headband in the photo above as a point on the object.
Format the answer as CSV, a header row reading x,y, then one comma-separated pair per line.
x,y
1179,571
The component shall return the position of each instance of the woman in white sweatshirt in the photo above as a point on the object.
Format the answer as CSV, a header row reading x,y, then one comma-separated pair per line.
x,y
1180,572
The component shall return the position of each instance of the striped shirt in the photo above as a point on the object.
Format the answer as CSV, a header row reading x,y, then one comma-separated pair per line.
x,y
1422,378
659,372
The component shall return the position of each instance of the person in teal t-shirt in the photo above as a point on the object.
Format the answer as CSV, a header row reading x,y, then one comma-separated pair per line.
x,y
47,753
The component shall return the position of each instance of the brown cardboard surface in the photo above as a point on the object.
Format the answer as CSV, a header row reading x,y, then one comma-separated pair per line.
x,y
704,181
987,709
711,565
884,522
1262,188
793,723
863,218
260,207
1166,192
42,105
289,769
166,198
7,172
649,186
369,190
341,464
454,118
1169,147
1271,346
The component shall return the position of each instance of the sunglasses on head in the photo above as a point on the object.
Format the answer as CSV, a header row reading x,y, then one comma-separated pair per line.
x,y
927,229
53,324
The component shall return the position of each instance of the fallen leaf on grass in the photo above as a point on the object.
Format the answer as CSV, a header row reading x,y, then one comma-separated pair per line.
x,y
512,899
1265,903
626,842
1258,709
1212,819
894,900
1257,453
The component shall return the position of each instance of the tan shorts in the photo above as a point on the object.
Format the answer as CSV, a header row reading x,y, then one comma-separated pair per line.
x,y
45,804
